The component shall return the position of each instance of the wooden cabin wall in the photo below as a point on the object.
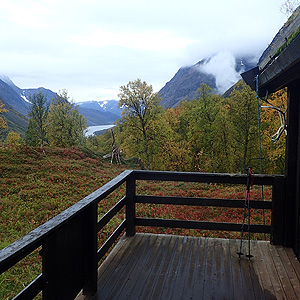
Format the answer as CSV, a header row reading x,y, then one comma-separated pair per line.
x,y
292,207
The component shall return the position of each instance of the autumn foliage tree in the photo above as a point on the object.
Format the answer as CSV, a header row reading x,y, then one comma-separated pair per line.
x,y
141,105
243,114
210,133
274,152
3,124
36,133
66,126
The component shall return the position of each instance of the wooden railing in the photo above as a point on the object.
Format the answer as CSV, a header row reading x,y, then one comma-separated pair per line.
x,y
69,240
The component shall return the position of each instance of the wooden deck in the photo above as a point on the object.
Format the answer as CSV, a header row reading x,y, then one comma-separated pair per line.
x,y
149,266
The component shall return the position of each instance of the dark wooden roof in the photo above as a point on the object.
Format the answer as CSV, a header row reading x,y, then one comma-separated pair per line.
x,y
283,70
149,266
279,64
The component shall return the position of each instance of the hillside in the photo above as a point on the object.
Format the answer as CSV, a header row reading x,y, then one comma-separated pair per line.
x,y
219,72
52,181
96,117
184,85
17,102
49,183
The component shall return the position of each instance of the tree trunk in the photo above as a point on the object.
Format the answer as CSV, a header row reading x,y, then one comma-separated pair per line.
x,y
146,147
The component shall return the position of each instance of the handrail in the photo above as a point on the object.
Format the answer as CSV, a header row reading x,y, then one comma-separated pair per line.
x,y
203,177
77,227
13,253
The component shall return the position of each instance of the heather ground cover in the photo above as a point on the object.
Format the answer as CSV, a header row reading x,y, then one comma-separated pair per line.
x,y
35,186
213,214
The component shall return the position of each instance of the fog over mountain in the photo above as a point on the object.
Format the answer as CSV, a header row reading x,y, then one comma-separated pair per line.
x,y
219,71
226,69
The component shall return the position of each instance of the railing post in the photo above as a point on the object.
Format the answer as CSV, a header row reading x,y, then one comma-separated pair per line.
x,y
130,205
69,257
90,255
278,211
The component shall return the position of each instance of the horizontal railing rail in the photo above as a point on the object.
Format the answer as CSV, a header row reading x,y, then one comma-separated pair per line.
x,y
192,201
214,178
72,235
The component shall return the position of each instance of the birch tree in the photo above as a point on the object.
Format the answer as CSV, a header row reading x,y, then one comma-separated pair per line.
x,y
141,105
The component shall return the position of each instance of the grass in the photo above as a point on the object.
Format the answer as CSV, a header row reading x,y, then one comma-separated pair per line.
x,y
36,186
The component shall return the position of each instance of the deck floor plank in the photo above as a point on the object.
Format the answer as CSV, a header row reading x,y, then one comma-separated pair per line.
x,y
282,273
162,260
149,266
173,270
229,283
183,269
199,270
294,261
289,269
140,274
236,271
260,269
272,272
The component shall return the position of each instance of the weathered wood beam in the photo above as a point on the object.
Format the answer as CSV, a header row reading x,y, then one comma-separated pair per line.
x,y
234,203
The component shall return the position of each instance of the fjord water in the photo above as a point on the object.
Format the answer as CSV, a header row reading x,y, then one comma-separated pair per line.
x,y
92,129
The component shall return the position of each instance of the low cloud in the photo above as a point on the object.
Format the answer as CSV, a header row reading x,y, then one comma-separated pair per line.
x,y
223,67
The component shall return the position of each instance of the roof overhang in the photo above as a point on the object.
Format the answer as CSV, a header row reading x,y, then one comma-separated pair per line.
x,y
279,73
277,68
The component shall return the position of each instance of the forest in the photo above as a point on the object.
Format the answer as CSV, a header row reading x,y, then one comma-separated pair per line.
x,y
60,166
210,133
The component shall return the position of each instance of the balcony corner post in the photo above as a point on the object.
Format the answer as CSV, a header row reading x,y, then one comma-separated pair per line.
x,y
278,209
130,205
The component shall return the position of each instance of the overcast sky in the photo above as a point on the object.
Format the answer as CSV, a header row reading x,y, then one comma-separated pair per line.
x,y
92,47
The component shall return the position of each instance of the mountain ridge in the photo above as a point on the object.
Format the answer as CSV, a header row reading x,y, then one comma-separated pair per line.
x,y
219,71
17,102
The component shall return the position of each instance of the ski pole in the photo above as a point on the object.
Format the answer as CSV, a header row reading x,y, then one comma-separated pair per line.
x,y
246,206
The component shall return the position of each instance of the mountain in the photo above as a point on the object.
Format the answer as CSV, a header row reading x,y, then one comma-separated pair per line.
x,y
17,108
103,112
14,119
17,102
27,93
97,117
219,72
184,85
10,95
111,106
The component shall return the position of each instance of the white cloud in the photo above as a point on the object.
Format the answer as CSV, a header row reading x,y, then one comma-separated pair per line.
x,y
162,40
92,47
222,66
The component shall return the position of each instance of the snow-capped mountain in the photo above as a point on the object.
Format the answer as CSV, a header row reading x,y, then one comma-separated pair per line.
x,y
111,106
17,102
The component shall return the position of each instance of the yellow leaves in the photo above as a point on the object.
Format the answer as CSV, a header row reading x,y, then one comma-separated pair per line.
x,y
275,153
3,124
2,109
13,138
